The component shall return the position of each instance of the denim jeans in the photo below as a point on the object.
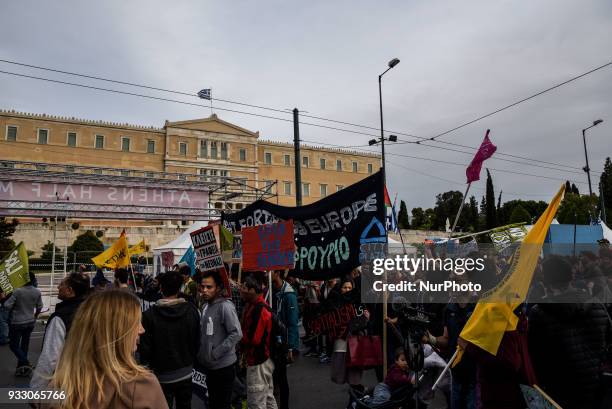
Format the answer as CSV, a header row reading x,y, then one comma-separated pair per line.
x,y
462,395
4,325
20,342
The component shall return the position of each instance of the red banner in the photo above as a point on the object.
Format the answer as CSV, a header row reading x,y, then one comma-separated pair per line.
x,y
268,247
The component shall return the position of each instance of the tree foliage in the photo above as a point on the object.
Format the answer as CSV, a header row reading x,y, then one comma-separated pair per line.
x,y
86,245
577,209
605,182
6,231
402,217
519,215
490,210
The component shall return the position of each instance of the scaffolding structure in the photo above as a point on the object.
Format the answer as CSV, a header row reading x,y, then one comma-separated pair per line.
x,y
219,189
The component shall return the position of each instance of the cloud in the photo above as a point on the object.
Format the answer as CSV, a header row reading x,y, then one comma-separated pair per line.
x,y
458,61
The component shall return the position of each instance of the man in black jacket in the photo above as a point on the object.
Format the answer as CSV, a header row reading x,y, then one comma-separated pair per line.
x,y
72,290
569,336
170,342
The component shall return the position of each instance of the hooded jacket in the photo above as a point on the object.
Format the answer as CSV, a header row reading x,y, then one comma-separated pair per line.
x,y
568,341
171,339
286,308
219,334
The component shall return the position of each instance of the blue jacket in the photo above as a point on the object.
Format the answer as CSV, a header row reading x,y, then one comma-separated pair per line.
x,y
286,308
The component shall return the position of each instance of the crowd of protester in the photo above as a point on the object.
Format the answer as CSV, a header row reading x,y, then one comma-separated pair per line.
x,y
136,340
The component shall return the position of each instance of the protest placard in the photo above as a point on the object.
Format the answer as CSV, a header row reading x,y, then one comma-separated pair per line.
x,y
207,253
268,247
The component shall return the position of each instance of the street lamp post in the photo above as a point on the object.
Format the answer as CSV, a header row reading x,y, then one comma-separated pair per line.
x,y
586,156
391,64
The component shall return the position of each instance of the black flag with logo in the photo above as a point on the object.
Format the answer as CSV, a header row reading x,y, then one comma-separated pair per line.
x,y
328,233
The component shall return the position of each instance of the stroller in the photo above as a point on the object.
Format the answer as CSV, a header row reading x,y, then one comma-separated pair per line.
x,y
401,398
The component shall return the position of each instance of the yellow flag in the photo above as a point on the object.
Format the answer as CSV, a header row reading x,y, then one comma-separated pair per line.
x,y
116,256
138,248
494,314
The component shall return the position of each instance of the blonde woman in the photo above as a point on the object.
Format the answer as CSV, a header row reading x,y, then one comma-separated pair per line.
x,y
97,369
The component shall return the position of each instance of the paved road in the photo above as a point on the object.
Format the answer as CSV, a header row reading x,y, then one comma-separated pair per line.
x,y
308,379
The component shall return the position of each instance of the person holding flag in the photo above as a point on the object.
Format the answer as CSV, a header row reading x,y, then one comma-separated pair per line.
x,y
495,333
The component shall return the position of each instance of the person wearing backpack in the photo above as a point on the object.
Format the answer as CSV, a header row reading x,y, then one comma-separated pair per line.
x,y
285,306
256,344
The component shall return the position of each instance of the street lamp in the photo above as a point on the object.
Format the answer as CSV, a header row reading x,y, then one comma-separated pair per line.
x,y
586,156
391,64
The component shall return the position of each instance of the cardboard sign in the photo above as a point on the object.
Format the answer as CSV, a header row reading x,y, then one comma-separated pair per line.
x,y
167,259
207,253
237,250
268,247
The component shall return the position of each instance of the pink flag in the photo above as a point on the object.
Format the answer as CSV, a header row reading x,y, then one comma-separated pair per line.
x,y
486,150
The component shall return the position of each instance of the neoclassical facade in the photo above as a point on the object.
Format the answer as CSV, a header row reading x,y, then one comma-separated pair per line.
x,y
209,148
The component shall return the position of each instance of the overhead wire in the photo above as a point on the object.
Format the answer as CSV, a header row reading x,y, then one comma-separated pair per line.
x,y
332,120
234,111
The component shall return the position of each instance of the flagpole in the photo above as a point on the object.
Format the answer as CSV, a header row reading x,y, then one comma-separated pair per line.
x,y
508,226
450,234
211,111
445,370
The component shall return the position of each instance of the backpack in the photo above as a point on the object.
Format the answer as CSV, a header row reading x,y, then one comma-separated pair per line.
x,y
279,338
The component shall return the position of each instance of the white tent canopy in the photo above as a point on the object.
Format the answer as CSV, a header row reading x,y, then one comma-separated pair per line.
x,y
178,247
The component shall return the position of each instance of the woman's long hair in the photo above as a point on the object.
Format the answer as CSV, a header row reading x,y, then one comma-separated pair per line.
x,y
99,349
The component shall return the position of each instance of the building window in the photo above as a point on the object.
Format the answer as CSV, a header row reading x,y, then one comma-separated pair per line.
x,y
8,165
125,173
97,171
268,185
43,136
305,161
203,149
242,155
354,167
11,133
323,190
149,175
223,150
238,206
150,146
306,189
213,173
339,165
71,139
213,150
99,141
41,167
339,187
287,160
369,168
287,188
125,144
182,177
183,148
322,161
268,158
70,169
224,173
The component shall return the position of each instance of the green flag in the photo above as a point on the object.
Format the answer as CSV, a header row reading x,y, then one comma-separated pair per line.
x,y
14,271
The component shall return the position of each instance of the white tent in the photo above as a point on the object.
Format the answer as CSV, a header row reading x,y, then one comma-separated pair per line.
x,y
607,233
178,247
395,247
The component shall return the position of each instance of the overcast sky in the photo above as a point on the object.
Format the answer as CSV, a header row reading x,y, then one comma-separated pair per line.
x,y
459,60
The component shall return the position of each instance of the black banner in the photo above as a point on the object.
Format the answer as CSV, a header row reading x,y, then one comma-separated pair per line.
x,y
328,233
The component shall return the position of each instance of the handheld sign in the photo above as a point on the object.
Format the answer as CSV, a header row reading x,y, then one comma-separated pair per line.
x,y
268,247
207,253
237,250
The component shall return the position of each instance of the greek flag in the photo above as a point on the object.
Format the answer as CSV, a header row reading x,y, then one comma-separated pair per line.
x,y
205,94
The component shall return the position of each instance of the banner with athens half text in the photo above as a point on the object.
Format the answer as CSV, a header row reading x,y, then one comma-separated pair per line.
x,y
328,233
